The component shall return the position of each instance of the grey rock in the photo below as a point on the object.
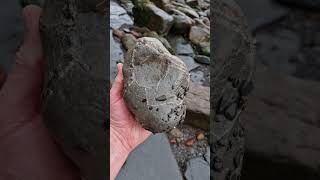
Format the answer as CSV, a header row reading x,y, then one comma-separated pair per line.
x,y
151,160
189,61
127,4
156,83
207,155
128,41
202,59
200,36
197,169
186,9
161,3
182,22
118,16
149,15
261,12
181,46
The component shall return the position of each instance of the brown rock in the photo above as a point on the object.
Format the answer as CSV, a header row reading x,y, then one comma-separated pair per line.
x,y
200,135
189,142
198,106
176,133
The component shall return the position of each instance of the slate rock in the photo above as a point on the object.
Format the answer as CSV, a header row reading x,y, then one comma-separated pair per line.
x,y
156,83
118,16
151,160
197,169
151,16
189,61
181,46
202,59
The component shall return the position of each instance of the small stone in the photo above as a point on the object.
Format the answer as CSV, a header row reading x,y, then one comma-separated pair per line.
x,y
118,33
173,141
200,135
136,34
176,133
128,41
189,142
202,59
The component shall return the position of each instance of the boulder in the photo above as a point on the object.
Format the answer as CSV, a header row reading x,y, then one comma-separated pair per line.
x,y
155,84
182,23
151,16
198,106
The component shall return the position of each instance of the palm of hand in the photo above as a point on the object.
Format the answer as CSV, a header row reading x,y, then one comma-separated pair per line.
x,y
122,121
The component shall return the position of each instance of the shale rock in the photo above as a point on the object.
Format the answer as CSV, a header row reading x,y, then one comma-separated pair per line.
x,y
156,83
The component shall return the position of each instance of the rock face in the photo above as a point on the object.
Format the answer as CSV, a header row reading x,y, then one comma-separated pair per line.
x,y
76,58
284,114
156,83
232,69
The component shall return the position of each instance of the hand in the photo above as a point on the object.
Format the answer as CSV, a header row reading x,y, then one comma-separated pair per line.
x,y
125,132
27,150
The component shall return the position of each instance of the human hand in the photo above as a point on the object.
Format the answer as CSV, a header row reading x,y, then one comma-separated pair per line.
x,y
27,150
125,132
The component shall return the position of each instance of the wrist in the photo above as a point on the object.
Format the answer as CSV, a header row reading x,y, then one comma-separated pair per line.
x,y
118,153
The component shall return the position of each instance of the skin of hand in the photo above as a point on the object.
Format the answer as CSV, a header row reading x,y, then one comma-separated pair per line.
x,y
125,132
27,150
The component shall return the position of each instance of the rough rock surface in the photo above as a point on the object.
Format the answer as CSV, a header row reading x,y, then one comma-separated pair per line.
x,y
156,83
232,69
286,118
75,97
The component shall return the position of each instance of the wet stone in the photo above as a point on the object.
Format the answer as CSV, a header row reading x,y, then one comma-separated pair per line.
x,y
155,71
202,59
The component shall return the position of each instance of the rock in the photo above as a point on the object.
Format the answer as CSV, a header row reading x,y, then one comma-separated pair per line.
x,y
283,113
128,5
161,3
310,4
207,155
200,135
176,133
151,160
261,12
128,41
118,16
202,59
74,100
163,40
185,9
155,85
198,106
197,169
182,22
189,61
149,15
200,36
276,50
192,3
181,46
189,142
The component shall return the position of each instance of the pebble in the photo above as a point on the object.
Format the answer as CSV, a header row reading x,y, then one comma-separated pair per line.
x,y
189,142
200,135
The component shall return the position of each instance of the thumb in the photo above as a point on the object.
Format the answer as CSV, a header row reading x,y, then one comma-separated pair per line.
x,y
117,86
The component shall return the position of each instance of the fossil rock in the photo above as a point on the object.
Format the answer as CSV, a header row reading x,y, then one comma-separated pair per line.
x,y
156,83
